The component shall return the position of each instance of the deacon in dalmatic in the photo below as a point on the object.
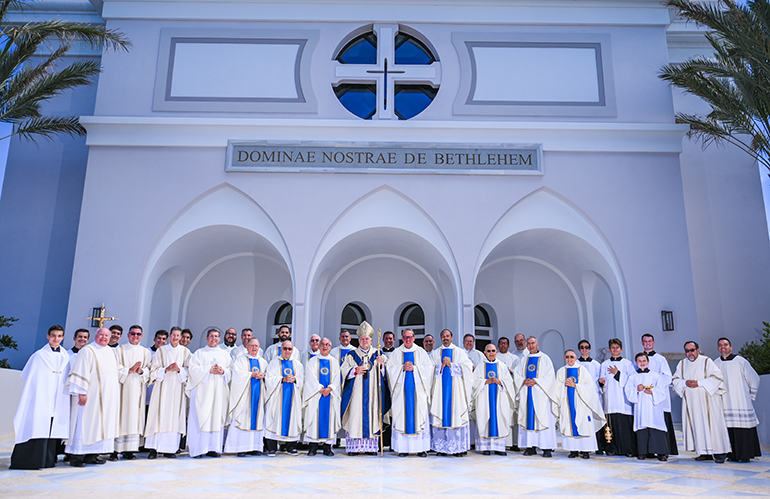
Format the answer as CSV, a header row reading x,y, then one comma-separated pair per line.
x,y
578,408
208,390
535,383
134,363
167,413
742,384
451,398
247,403
410,372
42,418
283,414
700,383
493,399
322,395
365,396
95,388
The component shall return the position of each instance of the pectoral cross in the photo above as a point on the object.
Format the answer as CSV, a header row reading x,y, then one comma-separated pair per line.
x,y
101,319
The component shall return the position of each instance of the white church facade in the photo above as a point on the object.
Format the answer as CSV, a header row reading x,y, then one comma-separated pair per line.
x,y
490,167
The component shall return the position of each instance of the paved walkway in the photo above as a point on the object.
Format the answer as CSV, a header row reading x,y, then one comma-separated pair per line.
x,y
286,477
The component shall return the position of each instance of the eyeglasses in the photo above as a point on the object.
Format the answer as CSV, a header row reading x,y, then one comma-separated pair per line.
x,y
134,334
314,341
689,350
584,347
289,349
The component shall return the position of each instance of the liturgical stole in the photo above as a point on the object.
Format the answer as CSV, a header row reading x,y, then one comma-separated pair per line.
x,y
532,363
343,353
324,404
491,369
287,367
446,389
572,372
410,393
256,387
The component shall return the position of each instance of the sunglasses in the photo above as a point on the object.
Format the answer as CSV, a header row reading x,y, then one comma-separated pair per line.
x,y
689,350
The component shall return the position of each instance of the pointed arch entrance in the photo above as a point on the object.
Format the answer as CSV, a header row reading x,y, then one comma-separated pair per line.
x,y
548,272
222,262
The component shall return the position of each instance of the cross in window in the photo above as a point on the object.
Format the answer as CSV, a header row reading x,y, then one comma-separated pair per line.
x,y
386,66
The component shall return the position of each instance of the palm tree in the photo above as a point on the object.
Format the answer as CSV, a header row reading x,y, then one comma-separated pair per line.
x,y
735,81
25,85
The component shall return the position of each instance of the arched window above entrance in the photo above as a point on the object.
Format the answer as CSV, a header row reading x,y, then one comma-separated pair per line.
x,y
483,328
412,317
283,317
352,317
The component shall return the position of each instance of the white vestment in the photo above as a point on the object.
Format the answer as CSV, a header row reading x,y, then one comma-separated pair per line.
x,y
95,425
339,352
274,351
44,397
742,385
475,356
405,439
595,370
648,409
543,432
615,400
166,417
133,388
659,364
208,400
703,422
284,427
454,437
585,411
311,394
503,412
241,435
307,355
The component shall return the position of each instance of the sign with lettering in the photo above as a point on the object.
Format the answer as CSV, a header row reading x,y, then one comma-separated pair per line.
x,y
384,158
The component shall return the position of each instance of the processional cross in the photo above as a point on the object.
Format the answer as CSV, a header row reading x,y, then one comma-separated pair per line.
x,y
101,319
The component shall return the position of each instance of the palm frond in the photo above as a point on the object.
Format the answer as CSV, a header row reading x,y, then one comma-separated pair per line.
x,y
48,127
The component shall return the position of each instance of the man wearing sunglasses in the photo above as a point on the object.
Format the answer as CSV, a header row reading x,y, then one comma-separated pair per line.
x,y
700,383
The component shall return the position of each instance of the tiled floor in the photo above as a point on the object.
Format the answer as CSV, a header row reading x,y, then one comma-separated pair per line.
x,y
287,477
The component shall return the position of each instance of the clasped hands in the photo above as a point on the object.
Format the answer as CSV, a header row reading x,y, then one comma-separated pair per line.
x,y
173,367
217,369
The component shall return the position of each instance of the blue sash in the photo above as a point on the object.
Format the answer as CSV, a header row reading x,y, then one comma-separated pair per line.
x,y
446,389
491,370
256,387
410,394
324,404
572,372
343,353
532,363
287,368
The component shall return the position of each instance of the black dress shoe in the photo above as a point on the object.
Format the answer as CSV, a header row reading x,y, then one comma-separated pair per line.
x,y
547,453
128,456
77,464
641,457
328,452
169,455
422,454
585,455
402,454
704,457
211,453
663,458
113,457
573,454
350,454
459,454
97,461
719,460
485,453
255,453
311,452
501,453
441,453
529,451
241,454
153,454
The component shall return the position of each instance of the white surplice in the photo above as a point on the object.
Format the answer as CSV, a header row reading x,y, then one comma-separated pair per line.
x,y
208,400
133,394
742,385
166,417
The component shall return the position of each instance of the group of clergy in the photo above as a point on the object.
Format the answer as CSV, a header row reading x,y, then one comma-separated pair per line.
x,y
246,401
